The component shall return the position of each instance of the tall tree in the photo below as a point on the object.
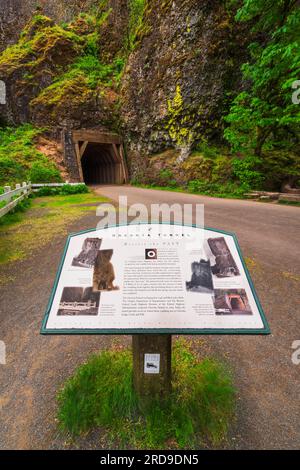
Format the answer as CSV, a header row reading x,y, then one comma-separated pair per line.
x,y
264,116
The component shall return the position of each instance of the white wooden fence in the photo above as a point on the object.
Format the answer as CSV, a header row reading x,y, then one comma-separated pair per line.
x,y
12,197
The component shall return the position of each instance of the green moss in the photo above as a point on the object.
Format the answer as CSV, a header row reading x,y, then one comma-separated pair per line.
x,y
35,45
85,78
177,120
72,50
66,89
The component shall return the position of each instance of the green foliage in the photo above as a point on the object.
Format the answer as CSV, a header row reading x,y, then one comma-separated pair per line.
x,y
209,188
13,216
35,43
289,203
208,151
39,173
166,178
100,393
136,14
222,171
246,170
20,160
277,165
62,190
263,117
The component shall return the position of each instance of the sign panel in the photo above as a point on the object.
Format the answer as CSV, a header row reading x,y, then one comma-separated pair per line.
x,y
153,278
152,364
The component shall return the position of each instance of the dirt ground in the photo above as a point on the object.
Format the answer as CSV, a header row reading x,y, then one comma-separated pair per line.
x,y
268,383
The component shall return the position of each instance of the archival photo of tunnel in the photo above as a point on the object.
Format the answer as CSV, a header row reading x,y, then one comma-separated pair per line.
x,y
231,302
104,273
201,280
224,264
79,301
88,254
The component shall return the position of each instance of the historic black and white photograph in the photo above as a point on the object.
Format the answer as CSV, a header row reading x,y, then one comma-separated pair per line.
x,y
231,302
104,273
79,301
88,254
225,265
201,280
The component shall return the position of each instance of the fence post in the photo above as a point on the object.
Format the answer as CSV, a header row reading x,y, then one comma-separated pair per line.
x,y
7,189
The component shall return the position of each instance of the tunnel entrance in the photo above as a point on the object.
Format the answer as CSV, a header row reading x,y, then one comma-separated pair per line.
x,y
99,165
100,157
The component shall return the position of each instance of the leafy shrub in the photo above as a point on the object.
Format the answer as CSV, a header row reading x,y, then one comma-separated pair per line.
x,y
222,171
246,170
22,206
166,178
20,160
62,190
10,170
216,189
207,150
40,173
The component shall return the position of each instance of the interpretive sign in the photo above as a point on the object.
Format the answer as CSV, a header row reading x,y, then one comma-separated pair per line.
x,y
153,278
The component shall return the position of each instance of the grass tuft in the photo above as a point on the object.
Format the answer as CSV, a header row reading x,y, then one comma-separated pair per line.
x,y
101,394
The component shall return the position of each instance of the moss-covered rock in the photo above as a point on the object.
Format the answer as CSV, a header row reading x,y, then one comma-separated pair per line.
x,y
54,75
73,103
165,168
43,51
174,89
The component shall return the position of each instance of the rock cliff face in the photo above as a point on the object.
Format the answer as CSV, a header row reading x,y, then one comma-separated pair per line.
x,y
175,85
182,59
15,14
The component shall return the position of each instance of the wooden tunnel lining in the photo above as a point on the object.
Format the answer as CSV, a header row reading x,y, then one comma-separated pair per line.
x,y
113,167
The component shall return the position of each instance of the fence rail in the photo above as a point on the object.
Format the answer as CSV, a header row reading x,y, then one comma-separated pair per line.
x,y
12,197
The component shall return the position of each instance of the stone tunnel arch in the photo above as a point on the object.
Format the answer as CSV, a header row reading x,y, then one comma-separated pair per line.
x,y
95,157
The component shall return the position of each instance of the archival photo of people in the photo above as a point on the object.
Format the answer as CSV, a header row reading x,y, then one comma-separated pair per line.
x,y
79,301
225,265
104,274
231,302
201,280
88,254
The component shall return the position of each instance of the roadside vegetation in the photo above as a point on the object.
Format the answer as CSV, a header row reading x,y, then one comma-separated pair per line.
x,y
198,412
38,221
260,148
21,161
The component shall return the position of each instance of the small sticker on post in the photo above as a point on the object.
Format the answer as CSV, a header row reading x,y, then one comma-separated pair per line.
x,y
152,364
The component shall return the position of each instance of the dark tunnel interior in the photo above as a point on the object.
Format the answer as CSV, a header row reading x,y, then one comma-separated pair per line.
x,y
98,164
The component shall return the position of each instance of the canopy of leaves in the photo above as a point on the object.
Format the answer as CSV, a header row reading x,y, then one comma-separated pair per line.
x,y
264,116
